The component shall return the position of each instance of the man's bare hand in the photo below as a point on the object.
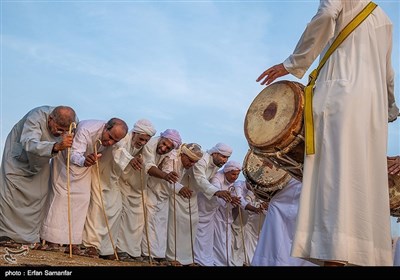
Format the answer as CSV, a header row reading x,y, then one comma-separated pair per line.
x,y
225,195
272,73
185,192
66,142
91,159
136,163
171,177
393,165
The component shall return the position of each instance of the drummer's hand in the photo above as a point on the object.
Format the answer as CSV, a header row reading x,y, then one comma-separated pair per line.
x,y
272,73
393,165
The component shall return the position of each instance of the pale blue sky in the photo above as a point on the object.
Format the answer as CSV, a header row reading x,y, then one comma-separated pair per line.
x,y
187,65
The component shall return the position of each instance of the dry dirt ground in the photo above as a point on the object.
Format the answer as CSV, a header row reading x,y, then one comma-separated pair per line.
x,y
46,258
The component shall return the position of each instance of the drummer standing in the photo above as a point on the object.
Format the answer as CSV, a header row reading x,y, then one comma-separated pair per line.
x,y
344,205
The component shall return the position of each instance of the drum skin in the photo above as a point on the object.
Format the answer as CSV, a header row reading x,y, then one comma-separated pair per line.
x,y
265,179
275,116
273,126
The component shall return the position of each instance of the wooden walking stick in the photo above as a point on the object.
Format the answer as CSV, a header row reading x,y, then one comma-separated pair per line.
x,y
190,221
226,234
173,169
242,231
102,202
145,217
71,126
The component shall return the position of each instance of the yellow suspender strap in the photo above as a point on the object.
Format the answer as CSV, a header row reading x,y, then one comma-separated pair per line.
x,y
308,91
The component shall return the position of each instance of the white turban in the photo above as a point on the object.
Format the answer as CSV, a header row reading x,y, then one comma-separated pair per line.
x,y
172,135
144,126
232,165
222,149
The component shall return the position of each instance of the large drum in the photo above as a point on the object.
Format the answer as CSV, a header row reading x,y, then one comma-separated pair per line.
x,y
274,126
394,194
265,179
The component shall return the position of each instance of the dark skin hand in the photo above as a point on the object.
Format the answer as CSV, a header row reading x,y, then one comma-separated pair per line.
x,y
136,163
171,177
393,165
91,159
66,142
186,192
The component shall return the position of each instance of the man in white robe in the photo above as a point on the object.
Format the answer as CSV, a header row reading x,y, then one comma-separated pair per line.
x,y
202,172
344,206
183,212
126,179
104,205
246,226
25,170
83,182
276,237
159,168
223,219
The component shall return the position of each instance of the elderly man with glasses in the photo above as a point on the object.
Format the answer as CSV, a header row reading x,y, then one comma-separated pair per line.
x,y
25,170
92,142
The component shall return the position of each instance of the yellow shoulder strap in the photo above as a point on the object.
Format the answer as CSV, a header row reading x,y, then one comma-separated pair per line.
x,y
308,90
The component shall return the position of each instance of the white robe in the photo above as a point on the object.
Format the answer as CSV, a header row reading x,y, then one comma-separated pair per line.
x,y
250,224
24,176
129,181
344,206
55,227
275,242
183,218
156,201
396,258
223,219
202,172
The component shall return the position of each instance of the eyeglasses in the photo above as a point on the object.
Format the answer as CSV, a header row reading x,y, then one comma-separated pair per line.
x,y
58,129
111,137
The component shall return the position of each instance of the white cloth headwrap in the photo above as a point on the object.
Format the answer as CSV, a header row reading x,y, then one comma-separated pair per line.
x,y
192,150
172,135
144,126
222,149
232,165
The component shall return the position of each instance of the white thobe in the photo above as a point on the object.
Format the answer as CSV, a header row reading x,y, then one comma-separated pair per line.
x,y
183,218
250,224
253,226
24,176
131,185
222,249
344,206
156,201
275,241
56,224
396,257
202,172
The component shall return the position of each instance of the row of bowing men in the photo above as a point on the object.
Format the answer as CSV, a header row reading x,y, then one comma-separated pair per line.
x,y
127,195
97,189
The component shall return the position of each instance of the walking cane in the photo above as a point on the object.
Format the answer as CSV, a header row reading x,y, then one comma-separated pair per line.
x,y
173,169
102,202
145,217
71,126
190,220
242,232
226,234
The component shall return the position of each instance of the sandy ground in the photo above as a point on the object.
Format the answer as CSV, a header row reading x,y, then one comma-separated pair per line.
x,y
30,258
